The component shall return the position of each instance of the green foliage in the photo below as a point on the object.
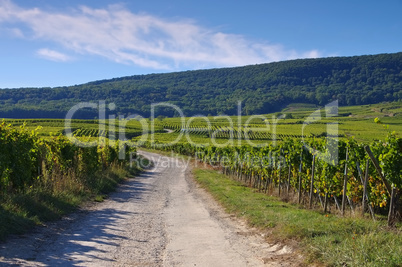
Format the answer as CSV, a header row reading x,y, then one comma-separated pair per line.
x,y
18,157
27,160
389,155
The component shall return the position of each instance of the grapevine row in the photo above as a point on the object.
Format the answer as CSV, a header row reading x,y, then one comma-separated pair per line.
x,y
25,158
289,165
225,132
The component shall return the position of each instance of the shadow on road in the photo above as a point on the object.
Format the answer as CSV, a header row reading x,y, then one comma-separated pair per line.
x,y
82,236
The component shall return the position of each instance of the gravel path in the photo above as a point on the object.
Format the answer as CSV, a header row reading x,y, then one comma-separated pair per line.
x,y
161,218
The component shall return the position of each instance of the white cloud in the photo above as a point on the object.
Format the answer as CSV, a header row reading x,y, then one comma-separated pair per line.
x,y
141,39
53,55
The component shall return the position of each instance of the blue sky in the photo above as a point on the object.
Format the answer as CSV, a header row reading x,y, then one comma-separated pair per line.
x,y
66,42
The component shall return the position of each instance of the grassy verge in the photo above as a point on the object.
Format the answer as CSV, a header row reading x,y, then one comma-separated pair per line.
x,y
322,238
21,211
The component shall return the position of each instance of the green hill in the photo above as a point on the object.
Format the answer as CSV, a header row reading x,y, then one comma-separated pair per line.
x,y
262,89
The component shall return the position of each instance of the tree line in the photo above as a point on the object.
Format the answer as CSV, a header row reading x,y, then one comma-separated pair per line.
x,y
262,88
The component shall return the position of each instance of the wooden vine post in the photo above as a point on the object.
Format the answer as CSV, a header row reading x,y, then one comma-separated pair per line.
x,y
391,213
365,195
279,178
312,183
325,202
300,174
345,183
289,175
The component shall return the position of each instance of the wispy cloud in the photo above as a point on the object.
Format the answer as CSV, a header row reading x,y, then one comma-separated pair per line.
x,y
122,36
53,55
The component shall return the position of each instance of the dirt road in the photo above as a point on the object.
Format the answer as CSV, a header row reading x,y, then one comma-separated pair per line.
x,y
160,218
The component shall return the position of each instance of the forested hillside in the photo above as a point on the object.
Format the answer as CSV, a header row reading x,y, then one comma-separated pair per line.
x,y
262,88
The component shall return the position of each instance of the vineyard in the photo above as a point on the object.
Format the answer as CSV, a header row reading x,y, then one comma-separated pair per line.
x,y
331,174
43,178
85,128
293,122
288,155
81,132
317,178
251,132
28,160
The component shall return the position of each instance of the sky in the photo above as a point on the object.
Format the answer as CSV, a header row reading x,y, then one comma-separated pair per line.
x,y
48,43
